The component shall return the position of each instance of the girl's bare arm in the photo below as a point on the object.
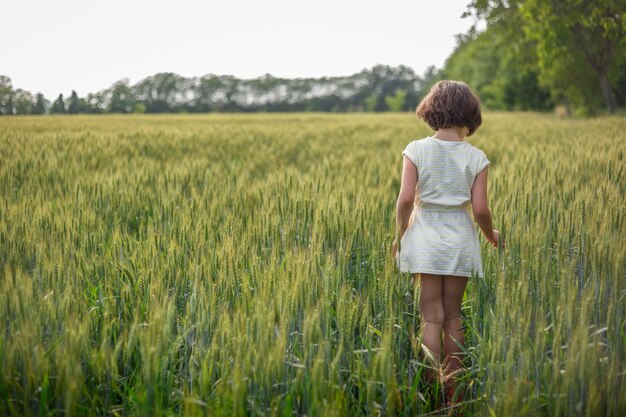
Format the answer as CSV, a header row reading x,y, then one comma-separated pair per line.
x,y
480,208
404,205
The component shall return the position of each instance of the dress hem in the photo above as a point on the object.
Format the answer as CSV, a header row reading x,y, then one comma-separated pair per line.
x,y
432,271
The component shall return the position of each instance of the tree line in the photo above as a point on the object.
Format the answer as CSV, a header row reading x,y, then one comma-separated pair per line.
x,y
532,55
381,88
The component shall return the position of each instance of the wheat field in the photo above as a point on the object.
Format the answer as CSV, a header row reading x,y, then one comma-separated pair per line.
x,y
239,265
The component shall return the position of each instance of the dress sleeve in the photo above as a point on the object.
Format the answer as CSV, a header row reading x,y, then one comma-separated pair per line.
x,y
481,163
411,153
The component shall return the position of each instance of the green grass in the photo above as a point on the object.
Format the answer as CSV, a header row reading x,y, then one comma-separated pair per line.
x,y
239,265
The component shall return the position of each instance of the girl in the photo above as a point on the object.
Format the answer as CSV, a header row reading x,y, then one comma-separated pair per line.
x,y
442,176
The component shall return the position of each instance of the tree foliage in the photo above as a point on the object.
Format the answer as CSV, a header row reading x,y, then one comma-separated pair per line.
x,y
6,95
534,53
500,67
58,107
584,37
41,104
397,101
121,99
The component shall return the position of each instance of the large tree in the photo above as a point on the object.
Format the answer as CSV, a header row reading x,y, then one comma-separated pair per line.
x,y
500,66
580,45
589,31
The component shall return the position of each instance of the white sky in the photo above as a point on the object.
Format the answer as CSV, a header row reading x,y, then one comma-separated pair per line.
x,y
54,46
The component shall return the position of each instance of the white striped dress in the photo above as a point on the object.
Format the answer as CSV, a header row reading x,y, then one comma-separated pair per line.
x,y
441,237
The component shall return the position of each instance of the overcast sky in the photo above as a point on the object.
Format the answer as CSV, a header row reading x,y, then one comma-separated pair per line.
x,y
54,46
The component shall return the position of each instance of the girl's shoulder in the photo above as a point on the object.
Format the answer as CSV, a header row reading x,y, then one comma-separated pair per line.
x,y
416,147
478,158
476,151
416,143
429,142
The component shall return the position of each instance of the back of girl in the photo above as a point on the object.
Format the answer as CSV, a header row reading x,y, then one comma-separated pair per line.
x,y
443,177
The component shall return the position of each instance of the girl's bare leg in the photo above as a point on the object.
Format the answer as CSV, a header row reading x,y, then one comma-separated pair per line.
x,y
453,289
432,312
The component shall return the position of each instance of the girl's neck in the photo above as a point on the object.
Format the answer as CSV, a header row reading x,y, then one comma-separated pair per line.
x,y
452,134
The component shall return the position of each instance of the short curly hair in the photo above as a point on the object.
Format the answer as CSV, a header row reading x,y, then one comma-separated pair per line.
x,y
451,103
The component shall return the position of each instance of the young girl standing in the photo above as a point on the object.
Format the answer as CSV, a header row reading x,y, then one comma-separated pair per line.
x,y
442,176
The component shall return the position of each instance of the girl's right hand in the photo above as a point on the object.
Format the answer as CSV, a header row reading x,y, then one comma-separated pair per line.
x,y
496,239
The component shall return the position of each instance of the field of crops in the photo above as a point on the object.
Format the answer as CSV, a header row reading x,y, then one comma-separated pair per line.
x,y
239,265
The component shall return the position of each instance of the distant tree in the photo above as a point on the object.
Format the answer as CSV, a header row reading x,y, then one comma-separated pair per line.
x,y
430,77
96,102
122,100
58,107
231,96
41,104
384,81
6,95
158,92
83,106
74,104
371,102
207,92
326,103
397,101
24,102
139,107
